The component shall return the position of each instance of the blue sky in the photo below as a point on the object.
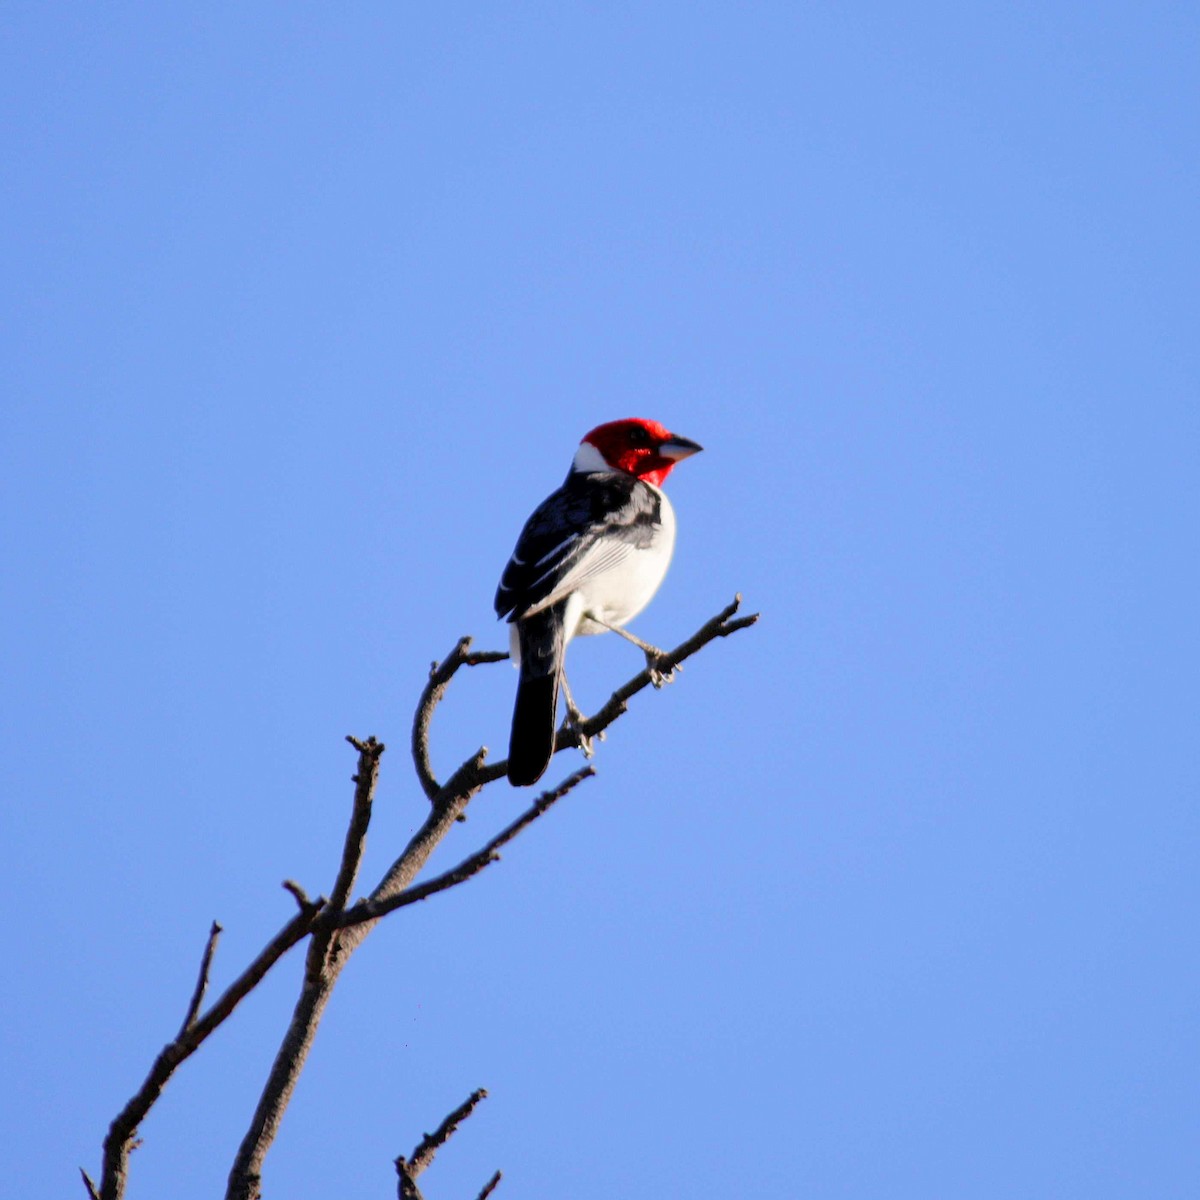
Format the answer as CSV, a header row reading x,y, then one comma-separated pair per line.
x,y
306,307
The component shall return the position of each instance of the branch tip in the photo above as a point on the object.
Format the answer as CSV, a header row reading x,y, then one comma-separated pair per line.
x,y
193,1008
89,1184
298,894
489,1187
617,704
429,1145
372,746
360,818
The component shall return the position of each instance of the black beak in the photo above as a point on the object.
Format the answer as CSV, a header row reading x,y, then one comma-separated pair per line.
x,y
677,448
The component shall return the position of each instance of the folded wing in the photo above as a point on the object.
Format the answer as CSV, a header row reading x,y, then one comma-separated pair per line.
x,y
586,527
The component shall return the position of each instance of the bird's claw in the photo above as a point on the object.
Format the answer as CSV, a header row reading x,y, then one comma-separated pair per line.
x,y
575,720
661,668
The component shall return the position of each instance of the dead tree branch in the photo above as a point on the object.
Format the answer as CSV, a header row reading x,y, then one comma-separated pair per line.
x,y
431,1143
372,910
570,738
720,626
322,966
440,675
122,1133
193,1009
335,928
489,1187
365,780
407,1169
406,1188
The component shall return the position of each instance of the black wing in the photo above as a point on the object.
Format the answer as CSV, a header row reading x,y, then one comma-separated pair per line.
x,y
588,525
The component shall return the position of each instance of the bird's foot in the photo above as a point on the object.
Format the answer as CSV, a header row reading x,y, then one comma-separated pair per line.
x,y
661,667
575,722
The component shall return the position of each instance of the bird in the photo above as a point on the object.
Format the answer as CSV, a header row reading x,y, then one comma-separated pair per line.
x,y
588,560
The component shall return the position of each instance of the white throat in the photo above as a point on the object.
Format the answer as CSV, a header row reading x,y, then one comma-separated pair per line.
x,y
588,460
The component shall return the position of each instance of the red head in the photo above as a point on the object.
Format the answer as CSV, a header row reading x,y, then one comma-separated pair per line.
x,y
636,446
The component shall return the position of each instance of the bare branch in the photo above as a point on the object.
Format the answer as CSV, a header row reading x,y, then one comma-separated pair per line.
x,y
489,1187
322,965
719,626
328,952
294,931
440,675
568,737
406,1188
123,1130
372,910
407,1169
89,1184
365,779
297,893
431,1143
210,948
336,930
448,804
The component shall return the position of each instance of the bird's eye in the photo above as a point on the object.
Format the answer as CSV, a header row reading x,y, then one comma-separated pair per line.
x,y
638,436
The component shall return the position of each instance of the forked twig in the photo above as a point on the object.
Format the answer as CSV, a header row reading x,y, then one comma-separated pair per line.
x,y
407,1169
372,910
122,1133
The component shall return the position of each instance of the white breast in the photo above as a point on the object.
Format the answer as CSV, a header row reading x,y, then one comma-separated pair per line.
x,y
620,593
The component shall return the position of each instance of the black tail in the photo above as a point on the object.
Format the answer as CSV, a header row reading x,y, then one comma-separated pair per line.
x,y
535,713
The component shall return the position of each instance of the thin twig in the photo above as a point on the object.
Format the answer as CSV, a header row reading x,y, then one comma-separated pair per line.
x,y
431,1143
407,1169
440,675
328,952
365,779
719,626
372,910
297,893
293,932
570,737
193,1009
489,1187
448,805
89,1184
